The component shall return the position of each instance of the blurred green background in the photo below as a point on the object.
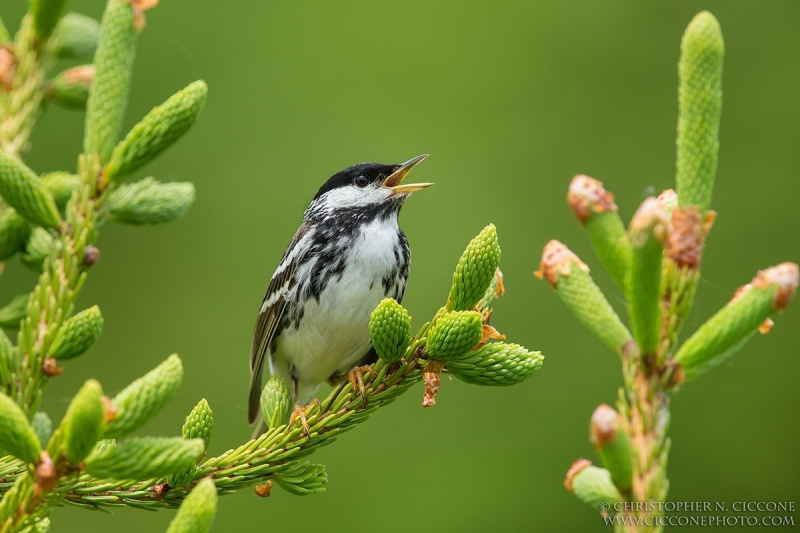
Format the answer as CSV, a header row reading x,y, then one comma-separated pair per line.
x,y
511,99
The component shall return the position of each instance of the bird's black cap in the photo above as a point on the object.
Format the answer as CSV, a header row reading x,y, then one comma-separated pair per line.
x,y
373,171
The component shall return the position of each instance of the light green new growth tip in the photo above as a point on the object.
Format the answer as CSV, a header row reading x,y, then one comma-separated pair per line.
x,y
143,458
276,402
475,270
150,202
113,61
595,209
143,398
199,424
17,437
390,330
14,232
610,242
570,277
303,479
613,445
730,328
46,14
22,190
593,486
454,334
61,185
161,127
196,513
82,426
76,36
70,88
496,364
646,233
699,109
78,334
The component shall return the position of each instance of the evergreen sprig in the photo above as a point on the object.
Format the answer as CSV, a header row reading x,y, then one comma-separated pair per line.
x,y
657,264
51,223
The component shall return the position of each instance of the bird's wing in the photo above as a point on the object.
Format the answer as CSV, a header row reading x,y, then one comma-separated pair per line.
x,y
269,317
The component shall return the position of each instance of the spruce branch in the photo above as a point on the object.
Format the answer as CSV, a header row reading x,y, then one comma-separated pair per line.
x,y
274,455
21,99
63,249
570,278
657,262
51,222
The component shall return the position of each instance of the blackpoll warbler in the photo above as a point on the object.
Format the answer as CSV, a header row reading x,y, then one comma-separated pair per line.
x,y
348,254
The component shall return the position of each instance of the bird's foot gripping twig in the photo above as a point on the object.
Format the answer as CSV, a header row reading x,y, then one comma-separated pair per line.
x,y
300,412
356,378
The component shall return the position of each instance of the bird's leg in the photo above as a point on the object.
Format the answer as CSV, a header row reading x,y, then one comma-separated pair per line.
x,y
356,378
299,411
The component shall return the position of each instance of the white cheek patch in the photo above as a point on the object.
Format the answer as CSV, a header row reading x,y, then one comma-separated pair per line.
x,y
352,196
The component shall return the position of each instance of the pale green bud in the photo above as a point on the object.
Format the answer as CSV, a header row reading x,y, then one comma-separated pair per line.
x,y
70,89
143,458
646,233
699,110
496,364
595,209
161,127
570,278
592,485
475,270
303,479
17,437
76,36
390,330
149,202
83,424
196,513
143,398
77,334
113,61
730,328
454,334
613,445
276,402
200,423
22,190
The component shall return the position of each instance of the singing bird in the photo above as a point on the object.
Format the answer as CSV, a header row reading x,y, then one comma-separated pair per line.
x,y
347,255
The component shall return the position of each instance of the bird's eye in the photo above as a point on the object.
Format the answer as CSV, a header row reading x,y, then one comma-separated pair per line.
x,y
361,181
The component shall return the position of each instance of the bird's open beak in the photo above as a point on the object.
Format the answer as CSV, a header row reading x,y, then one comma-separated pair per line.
x,y
394,182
